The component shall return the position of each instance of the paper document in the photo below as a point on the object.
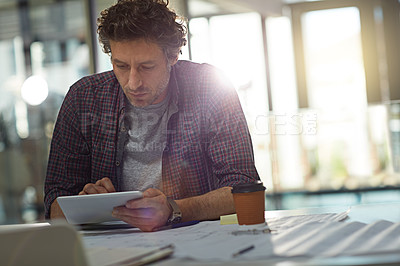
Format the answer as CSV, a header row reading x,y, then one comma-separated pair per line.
x,y
205,241
310,236
327,239
283,223
103,256
289,221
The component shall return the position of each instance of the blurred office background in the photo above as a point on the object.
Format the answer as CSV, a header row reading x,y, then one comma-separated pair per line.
x,y
318,80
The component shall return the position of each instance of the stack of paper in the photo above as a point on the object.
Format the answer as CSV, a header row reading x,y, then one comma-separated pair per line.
x,y
327,239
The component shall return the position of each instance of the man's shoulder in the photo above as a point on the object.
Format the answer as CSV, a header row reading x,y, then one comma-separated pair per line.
x,y
185,64
200,74
97,80
100,84
192,68
100,87
202,77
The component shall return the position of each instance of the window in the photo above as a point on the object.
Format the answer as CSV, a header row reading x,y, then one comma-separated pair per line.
x,y
233,43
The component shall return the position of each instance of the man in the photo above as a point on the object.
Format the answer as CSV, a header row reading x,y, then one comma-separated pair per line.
x,y
173,129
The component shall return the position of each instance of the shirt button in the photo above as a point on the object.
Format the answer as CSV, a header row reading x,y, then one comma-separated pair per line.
x,y
117,163
123,129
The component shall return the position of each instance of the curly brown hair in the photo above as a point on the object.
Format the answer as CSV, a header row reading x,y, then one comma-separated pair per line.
x,y
142,19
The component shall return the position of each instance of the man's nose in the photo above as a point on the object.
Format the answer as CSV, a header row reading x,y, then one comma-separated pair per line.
x,y
135,80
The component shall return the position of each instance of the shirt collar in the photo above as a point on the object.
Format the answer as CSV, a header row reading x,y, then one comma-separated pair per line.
x,y
121,99
173,86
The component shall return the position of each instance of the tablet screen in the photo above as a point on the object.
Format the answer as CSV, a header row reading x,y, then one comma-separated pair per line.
x,y
94,208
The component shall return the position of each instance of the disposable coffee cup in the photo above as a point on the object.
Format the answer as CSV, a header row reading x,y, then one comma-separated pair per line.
x,y
249,200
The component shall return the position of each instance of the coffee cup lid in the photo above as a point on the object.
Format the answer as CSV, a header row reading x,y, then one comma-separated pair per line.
x,y
248,187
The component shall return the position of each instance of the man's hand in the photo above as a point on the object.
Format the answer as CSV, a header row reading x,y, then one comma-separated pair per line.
x,y
153,210
148,213
103,185
55,211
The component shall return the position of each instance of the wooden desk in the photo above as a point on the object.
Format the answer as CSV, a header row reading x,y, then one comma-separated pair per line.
x,y
124,239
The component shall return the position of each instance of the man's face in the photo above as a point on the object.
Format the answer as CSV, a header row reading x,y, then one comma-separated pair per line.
x,y
142,69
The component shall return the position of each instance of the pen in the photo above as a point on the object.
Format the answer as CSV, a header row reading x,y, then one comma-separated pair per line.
x,y
178,225
252,232
153,256
240,252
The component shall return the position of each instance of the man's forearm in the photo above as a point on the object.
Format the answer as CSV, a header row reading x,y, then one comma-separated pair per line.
x,y
209,206
55,211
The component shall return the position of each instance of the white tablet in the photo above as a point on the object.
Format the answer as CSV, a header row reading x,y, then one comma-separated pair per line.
x,y
94,208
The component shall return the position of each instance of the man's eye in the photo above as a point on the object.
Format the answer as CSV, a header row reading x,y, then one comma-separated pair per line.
x,y
122,66
147,67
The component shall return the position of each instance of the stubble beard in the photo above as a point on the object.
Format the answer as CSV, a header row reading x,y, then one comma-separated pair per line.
x,y
163,86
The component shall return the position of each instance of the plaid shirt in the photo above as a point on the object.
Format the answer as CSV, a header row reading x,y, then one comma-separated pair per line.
x,y
208,142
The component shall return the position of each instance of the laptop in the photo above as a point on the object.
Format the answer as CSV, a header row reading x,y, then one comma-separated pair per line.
x,y
41,244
